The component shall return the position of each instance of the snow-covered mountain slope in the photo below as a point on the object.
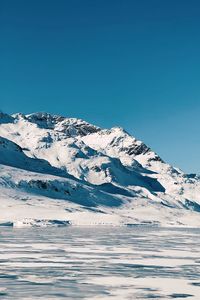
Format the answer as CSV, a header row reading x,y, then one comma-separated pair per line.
x,y
88,175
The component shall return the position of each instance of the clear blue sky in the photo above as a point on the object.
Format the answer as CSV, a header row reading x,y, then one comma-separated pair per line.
x,y
129,63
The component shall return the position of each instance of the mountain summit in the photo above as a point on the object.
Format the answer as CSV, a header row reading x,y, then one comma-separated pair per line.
x,y
52,167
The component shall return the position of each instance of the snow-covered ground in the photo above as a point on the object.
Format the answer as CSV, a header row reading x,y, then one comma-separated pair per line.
x,y
55,169
99,263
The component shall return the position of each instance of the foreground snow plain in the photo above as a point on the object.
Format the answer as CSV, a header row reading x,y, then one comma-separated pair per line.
x,y
56,171
119,263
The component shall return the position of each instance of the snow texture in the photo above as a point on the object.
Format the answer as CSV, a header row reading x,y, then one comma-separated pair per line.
x,y
60,171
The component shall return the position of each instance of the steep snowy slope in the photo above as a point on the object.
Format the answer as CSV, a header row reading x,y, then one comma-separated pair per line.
x,y
39,136
12,155
107,174
118,143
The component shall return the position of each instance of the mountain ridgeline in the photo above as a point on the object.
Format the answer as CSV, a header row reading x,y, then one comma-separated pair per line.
x,y
68,169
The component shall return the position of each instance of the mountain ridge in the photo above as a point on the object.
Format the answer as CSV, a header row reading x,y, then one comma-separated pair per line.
x,y
124,177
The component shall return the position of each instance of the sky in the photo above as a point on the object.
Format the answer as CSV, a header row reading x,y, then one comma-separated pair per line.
x,y
128,63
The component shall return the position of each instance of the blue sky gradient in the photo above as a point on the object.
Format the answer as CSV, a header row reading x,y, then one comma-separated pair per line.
x,y
130,63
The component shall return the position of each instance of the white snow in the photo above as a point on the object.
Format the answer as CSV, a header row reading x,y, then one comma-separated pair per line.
x,y
57,168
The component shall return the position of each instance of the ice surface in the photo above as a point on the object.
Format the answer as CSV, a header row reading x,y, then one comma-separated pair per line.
x,y
99,263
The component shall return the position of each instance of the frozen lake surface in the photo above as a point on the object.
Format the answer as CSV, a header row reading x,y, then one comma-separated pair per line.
x,y
99,263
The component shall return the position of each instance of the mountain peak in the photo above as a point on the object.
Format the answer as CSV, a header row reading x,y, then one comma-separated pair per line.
x,y
69,126
118,130
108,167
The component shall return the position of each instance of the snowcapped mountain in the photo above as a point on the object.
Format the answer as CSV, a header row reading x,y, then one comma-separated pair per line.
x,y
57,168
